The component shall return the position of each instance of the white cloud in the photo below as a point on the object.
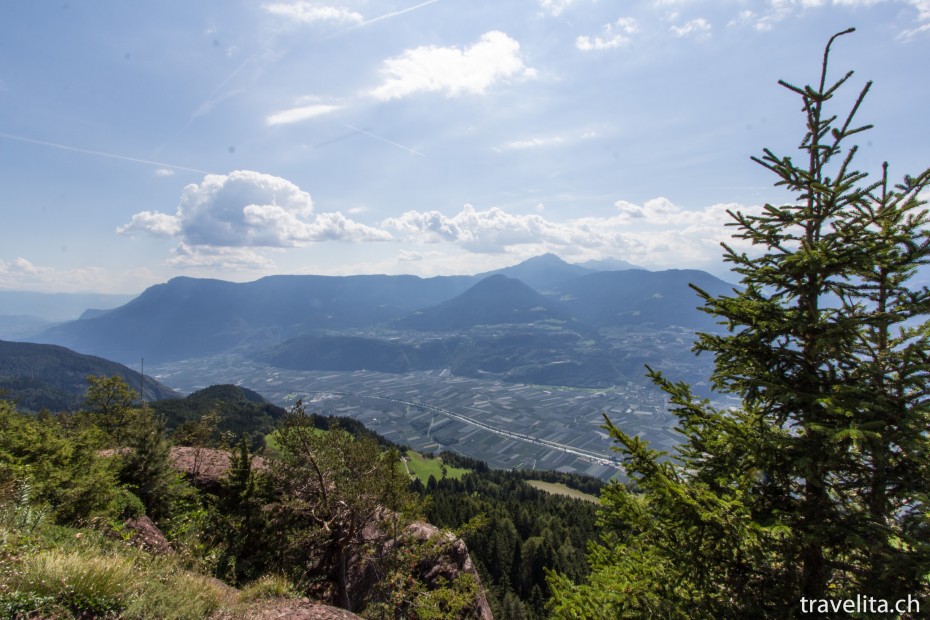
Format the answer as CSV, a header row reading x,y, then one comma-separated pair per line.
x,y
699,28
453,71
766,17
531,143
164,172
617,34
545,141
310,12
555,7
22,274
246,209
295,115
152,222
481,231
227,259
21,266
656,233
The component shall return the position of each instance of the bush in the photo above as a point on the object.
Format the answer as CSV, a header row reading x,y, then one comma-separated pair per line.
x,y
125,505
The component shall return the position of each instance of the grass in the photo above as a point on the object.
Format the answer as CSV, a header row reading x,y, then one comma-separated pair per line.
x,y
557,488
92,582
269,586
423,468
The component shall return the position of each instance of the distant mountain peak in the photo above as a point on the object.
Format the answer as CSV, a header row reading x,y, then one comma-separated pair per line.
x,y
496,299
542,273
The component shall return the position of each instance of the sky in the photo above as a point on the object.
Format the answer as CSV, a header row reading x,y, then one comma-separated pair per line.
x,y
233,140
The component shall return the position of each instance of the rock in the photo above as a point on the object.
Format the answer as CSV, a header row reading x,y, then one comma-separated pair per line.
x,y
287,609
449,564
144,534
206,467
441,566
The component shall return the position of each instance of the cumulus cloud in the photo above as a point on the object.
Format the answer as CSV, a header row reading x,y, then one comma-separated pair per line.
x,y
656,233
617,34
453,71
480,231
247,209
310,12
164,172
152,222
302,113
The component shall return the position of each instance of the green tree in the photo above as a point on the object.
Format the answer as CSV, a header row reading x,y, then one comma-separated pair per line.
x,y
816,486
239,522
147,467
332,487
62,469
110,401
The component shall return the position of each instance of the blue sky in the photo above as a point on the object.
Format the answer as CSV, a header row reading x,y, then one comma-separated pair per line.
x,y
230,139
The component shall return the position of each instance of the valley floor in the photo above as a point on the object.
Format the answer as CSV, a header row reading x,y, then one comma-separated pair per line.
x,y
509,426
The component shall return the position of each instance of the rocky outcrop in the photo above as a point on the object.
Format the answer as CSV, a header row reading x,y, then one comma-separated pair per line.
x,y
449,558
442,558
451,561
206,467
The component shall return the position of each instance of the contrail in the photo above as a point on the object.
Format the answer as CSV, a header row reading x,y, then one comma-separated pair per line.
x,y
385,140
395,13
204,107
380,18
74,149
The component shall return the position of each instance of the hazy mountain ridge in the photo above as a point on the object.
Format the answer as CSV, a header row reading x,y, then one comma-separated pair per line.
x,y
496,326
637,296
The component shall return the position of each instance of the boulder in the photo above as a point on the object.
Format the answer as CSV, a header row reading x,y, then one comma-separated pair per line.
x,y
144,534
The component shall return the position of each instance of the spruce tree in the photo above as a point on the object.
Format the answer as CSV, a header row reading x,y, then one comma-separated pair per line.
x,y
816,486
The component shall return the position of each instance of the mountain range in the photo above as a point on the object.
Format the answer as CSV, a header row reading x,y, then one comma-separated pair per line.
x,y
540,313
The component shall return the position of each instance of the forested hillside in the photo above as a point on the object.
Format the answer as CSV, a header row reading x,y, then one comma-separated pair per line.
x,y
51,377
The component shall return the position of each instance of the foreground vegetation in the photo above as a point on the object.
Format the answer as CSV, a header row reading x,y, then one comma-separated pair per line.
x,y
71,483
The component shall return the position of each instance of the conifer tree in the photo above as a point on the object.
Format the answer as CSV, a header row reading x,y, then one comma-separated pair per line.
x,y
816,486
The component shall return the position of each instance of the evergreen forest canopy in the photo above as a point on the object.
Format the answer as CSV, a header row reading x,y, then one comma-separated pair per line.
x,y
815,489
